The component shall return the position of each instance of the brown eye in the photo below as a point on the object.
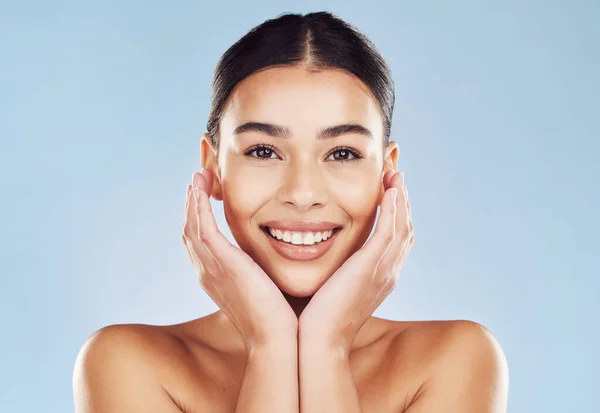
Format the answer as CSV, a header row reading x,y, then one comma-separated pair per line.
x,y
344,154
264,152
261,151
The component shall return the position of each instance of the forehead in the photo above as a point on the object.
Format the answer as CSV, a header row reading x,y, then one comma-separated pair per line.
x,y
301,100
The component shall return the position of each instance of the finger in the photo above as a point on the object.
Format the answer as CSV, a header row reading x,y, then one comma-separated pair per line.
x,y
408,211
197,253
386,179
376,247
190,230
209,180
404,235
196,261
187,204
397,181
208,232
199,182
386,183
203,237
190,213
185,216
402,215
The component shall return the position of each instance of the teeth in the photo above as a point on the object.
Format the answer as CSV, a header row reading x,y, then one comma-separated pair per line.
x,y
308,238
300,238
296,238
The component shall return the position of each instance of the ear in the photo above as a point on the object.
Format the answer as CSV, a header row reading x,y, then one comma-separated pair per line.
x,y
390,161
209,160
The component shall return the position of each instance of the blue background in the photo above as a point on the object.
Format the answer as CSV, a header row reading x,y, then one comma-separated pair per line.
x,y
101,111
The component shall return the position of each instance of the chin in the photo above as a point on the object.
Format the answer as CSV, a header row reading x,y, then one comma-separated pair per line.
x,y
299,280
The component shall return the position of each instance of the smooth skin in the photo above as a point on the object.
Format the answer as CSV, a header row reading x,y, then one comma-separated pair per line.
x,y
290,335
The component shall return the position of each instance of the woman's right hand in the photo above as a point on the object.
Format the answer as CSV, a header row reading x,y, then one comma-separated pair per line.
x,y
236,283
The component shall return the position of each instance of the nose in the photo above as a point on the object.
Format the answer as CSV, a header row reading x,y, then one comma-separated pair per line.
x,y
303,187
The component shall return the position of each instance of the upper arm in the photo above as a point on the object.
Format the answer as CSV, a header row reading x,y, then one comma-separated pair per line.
x,y
471,374
115,372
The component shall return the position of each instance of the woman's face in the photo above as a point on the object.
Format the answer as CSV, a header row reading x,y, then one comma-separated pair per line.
x,y
288,176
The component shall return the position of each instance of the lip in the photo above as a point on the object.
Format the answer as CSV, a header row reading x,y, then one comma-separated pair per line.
x,y
301,226
301,252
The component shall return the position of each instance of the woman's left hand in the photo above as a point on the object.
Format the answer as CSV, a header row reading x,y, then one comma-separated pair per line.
x,y
343,304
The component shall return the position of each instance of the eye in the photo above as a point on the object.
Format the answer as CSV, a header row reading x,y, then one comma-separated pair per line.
x,y
344,154
262,151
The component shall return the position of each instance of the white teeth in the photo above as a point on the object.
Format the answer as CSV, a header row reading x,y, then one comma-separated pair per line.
x,y
300,238
296,238
308,238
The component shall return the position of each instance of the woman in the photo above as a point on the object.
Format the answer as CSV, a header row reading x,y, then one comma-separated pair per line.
x,y
298,151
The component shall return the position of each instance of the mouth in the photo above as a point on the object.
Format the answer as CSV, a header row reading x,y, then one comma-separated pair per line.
x,y
300,246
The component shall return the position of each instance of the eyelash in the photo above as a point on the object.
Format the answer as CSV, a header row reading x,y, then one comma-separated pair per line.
x,y
354,153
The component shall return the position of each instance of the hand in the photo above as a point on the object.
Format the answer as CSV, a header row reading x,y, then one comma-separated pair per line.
x,y
238,285
343,304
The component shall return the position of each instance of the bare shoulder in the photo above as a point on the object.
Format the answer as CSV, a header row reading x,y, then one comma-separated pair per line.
x,y
440,334
449,363
137,367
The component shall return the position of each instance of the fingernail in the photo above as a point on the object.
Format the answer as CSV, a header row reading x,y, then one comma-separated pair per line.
x,y
401,179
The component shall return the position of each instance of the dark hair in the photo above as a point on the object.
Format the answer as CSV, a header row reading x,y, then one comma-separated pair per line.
x,y
317,41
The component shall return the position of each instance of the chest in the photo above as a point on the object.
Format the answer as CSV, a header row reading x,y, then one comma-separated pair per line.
x,y
217,391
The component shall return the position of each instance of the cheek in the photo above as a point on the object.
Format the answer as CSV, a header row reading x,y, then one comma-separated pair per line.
x,y
244,192
360,202
359,196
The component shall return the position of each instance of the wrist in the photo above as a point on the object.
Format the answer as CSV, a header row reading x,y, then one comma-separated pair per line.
x,y
315,341
280,341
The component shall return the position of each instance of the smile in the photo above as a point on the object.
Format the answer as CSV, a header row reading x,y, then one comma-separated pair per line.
x,y
300,246
300,238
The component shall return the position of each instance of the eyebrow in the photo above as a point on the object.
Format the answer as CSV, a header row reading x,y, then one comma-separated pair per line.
x,y
279,131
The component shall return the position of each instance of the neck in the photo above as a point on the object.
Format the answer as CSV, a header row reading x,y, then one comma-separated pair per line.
x,y
298,304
